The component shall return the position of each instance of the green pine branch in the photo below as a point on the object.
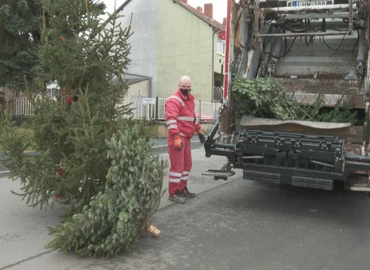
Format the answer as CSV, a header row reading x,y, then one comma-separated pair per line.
x,y
266,98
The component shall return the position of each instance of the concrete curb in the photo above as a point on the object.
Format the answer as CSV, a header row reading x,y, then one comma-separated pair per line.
x,y
4,173
156,148
165,147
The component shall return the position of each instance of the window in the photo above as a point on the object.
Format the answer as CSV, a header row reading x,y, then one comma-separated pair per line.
x,y
221,47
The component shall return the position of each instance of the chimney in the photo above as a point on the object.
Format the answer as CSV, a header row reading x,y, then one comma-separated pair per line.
x,y
224,22
200,9
208,10
184,1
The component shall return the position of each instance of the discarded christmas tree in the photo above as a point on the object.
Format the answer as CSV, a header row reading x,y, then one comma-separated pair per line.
x,y
266,98
73,133
115,218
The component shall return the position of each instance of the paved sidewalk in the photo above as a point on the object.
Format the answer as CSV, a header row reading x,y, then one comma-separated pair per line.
x,y
23,233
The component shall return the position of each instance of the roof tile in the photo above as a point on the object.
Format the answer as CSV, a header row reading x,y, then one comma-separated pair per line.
x,y
201,15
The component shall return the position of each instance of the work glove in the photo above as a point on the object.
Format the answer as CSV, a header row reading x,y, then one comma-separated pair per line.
x,y
201,136
177,142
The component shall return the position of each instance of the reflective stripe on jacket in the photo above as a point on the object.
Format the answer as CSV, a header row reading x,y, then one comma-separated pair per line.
x,y
180,115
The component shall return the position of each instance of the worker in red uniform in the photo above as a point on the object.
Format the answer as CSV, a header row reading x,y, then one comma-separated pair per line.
x,y
181,123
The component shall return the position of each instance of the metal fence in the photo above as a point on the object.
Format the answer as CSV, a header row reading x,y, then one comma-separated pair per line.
x,y
21,106
153,108
148,108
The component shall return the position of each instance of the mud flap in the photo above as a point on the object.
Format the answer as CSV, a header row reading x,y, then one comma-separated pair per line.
x,y
219,174
358,182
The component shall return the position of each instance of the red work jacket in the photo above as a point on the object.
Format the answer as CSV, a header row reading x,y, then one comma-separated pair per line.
x,y
180,115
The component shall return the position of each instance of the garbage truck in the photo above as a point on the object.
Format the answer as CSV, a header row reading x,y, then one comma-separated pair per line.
x,y
314,48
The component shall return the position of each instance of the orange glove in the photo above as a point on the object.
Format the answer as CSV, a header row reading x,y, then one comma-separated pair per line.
x,y
177,142
201,136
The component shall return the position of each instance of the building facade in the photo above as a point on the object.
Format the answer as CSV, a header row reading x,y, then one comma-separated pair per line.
x,y
171,39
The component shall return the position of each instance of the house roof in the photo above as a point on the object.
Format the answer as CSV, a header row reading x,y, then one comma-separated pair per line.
x,y
212,22
131,78
134,78
201,15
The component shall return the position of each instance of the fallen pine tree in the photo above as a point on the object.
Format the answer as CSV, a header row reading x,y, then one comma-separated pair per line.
x,y
114,219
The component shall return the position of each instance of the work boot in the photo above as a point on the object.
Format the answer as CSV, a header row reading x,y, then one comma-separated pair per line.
x,y
176,199
186,193
61,199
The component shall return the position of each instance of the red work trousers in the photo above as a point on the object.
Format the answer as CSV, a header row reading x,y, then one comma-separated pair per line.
x,y
180,165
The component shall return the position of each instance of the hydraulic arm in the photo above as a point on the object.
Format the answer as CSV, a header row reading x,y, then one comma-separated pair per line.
x,y
292,158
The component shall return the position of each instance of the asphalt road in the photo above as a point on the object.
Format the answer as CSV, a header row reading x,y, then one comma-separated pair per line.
x,y
248,225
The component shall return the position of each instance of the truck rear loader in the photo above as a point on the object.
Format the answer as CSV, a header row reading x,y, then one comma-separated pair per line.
x,y
317,48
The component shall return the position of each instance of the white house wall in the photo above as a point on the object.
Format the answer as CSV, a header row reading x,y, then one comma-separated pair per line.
x,y
143,41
